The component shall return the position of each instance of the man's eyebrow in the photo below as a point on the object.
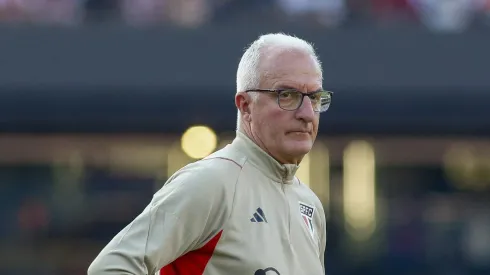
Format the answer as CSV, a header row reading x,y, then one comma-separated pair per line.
x,y
316,91
290,87
286,87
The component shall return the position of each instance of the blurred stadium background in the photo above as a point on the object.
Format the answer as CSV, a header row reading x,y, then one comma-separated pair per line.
x,y
100,101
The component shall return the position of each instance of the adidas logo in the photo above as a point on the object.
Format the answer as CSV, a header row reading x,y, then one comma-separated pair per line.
x,y
258,216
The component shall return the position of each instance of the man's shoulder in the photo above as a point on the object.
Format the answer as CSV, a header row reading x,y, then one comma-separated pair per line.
x,y
229,154
212,171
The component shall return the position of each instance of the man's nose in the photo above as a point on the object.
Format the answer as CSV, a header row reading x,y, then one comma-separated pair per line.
x,y
305,111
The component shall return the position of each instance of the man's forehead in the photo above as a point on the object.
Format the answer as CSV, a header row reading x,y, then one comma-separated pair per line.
x,y
286,72
291,78
290,68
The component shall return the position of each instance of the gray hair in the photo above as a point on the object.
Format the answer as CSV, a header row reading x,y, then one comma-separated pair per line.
x,y
248,74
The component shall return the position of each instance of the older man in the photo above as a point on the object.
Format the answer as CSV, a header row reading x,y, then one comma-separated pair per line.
x,y
241,210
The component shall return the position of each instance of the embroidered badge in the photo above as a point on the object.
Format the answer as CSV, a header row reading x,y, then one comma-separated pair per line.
x,y
307,215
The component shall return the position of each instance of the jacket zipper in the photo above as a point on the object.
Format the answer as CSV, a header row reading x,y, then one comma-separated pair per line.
x,y
288,210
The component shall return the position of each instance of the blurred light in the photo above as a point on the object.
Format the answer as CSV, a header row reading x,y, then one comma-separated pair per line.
x,y
68,171
33,215
320,172
314,171
303,172
465,168
199,141
460,156
359,190
476,240
176,159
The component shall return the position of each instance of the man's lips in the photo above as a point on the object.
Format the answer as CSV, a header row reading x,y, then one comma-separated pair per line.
x,y
299,132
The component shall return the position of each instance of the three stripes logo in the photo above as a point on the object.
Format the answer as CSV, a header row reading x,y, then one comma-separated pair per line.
x,y
258,216
307,215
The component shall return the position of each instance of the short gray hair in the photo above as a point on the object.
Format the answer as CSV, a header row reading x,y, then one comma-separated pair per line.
x,y
248,74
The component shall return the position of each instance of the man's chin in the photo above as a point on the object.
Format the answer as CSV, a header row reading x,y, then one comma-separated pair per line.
x,y
302,147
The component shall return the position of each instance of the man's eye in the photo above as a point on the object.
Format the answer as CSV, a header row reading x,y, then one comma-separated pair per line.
x,y
315,97
286,94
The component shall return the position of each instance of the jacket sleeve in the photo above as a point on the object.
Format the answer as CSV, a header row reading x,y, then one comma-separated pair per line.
x,y
190,209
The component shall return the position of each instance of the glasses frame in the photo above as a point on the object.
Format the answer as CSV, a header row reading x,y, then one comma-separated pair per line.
x,y
279,91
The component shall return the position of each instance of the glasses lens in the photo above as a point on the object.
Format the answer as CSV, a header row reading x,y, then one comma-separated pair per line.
x,y
289,99
325,99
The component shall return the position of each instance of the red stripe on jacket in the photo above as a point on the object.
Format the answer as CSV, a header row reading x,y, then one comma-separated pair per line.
x,y
194,262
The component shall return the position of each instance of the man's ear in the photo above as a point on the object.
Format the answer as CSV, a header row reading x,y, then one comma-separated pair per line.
x,y
242,102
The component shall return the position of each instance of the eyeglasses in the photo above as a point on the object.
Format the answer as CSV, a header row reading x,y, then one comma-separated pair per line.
x,y
291,99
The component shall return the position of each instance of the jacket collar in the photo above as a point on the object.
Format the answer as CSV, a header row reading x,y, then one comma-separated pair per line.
x,y
283,173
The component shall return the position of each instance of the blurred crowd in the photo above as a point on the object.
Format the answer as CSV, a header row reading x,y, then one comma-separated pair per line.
x,y
438,15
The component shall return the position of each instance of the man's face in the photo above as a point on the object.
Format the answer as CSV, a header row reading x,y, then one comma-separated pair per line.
x,y
286,135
